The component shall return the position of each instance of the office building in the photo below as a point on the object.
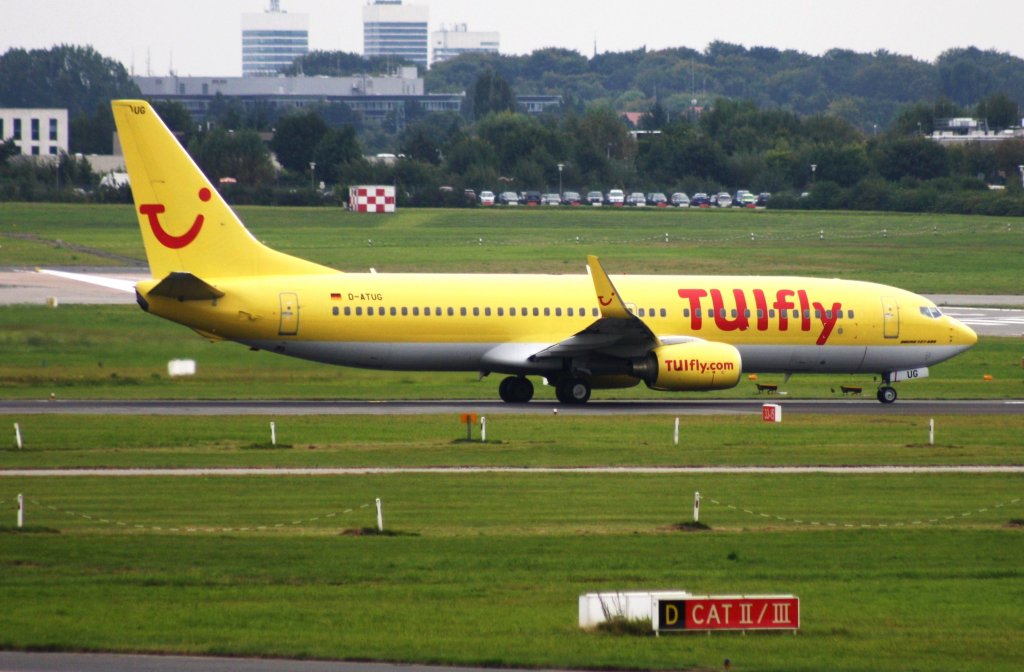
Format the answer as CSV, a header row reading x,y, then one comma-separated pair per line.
x,y
272,40
450,42
36,131
393,29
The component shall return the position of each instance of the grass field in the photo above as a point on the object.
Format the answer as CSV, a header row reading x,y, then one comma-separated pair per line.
x,y
908,572
923,253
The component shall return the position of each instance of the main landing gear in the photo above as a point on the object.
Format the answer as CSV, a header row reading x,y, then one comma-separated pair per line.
x,y
886,394
569,390
572,390
515,390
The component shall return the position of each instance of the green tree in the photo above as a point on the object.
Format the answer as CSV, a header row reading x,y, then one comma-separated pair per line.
x,y
918,158
240,155
337,148
490,93
296,139
998,110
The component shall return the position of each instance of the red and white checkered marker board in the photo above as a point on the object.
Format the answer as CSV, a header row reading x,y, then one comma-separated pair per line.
x,y
371,198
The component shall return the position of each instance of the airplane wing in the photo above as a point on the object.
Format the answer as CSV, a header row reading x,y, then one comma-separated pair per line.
x,y
99,280
617,333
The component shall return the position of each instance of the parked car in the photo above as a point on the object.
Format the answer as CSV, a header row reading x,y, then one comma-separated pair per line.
x,y
530,198
723,199
700,200
486,198
680,200
657,199
509,198
550,199
744,199
636,199
595,198
616,197
571,198
762,199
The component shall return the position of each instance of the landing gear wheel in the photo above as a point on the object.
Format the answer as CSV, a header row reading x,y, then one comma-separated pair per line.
x,y
886,394
573,391
515,390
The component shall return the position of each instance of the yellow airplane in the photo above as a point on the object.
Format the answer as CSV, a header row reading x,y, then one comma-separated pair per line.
x,y
582,332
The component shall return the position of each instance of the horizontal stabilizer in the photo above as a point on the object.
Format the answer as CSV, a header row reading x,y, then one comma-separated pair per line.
x,y
94,279
185,287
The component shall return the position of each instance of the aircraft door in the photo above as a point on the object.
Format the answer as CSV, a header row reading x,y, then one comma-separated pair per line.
x,y
890,317
289,314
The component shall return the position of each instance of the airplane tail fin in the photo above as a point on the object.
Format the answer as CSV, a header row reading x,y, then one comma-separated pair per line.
x,y
186,226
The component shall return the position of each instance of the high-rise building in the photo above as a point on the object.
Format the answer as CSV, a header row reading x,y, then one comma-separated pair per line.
x,y
272,39
450,42
393,29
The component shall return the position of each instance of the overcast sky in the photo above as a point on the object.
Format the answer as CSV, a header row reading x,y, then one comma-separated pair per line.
x,y
203,37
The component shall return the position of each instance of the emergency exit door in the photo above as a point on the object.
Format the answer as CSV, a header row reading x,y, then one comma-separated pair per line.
x,y
289,314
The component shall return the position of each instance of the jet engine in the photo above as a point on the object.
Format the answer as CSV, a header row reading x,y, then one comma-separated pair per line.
x,y
696,365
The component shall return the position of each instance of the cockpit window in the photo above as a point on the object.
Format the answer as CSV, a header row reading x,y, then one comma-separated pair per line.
x,y
931,311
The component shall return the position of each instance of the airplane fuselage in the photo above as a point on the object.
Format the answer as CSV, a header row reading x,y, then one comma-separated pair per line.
x,y
450,322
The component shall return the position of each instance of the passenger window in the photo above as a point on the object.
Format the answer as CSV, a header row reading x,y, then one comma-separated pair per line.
x,y
348,311
487,312
462,312
476,312
405,311
359,311
335,311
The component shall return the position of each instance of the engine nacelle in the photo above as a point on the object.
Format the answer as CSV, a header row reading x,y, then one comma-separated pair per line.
x,y
697,365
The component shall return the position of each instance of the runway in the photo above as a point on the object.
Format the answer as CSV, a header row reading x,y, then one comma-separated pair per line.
x,y
288,407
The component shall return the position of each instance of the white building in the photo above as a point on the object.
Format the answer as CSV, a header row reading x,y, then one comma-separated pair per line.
x,y
393,29
272,40
37,131
451,42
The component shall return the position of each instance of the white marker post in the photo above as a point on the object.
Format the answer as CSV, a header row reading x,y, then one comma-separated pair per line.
x,y
17,436
380,516
931,431
483,429
675,434
21,511
273,433
696,507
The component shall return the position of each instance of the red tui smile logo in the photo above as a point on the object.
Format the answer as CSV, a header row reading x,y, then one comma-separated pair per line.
x,y
153,211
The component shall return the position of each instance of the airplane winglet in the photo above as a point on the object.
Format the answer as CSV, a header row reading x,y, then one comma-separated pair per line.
x,y
607,297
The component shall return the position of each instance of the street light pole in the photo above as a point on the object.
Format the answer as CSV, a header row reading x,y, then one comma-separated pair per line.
x,y
814,168
312,175
560,167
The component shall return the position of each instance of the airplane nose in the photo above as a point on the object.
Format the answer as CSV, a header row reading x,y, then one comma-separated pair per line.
x,y
963,335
